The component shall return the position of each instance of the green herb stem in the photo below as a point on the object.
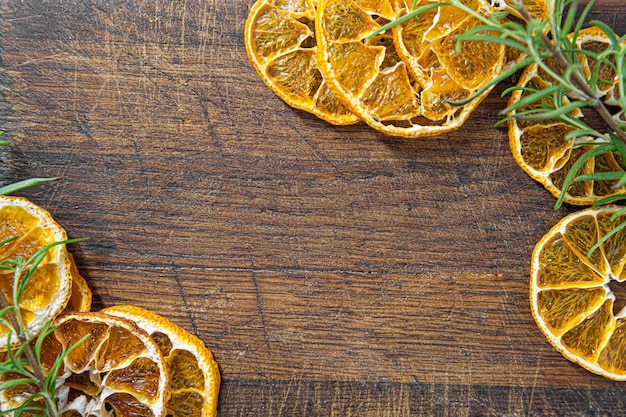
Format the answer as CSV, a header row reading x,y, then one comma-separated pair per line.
x,y
577,79
37,369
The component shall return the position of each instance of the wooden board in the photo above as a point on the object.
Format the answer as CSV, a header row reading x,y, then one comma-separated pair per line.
x,y
331,270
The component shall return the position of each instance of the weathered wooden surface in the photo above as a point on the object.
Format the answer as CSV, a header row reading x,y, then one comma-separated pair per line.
x,y
331,270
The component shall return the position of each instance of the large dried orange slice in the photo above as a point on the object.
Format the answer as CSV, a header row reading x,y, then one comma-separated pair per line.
x,y
540,148
49,289
401,81
118,370
280,42
194,374
573,296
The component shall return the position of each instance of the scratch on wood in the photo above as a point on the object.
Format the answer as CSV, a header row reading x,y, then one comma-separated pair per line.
x,y
259,302
183,297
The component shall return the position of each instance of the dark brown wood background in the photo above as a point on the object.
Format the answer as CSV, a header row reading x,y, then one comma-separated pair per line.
x,y
331,270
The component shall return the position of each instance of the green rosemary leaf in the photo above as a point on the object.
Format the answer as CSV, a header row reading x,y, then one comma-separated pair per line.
x,y
570,18
33,262
6,309
4,142
609,199
19,362
512,26
56,366
621,182
618,213
579,133
9,240
558,112
579,124
498,16
607,31
45,331
600,176
577,166
582,18
12,383
536,96
604,238
481,36
20,185
10,264
503,120
601,59
408,16
619,146
509,90
25,407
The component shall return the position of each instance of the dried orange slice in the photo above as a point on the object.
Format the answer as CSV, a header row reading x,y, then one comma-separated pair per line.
x,y
400,81
538,9
573,296
81,297
281,46
118,370
540,148
194,374
50,288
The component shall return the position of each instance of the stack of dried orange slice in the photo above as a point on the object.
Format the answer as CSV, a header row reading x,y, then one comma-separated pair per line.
x,y
134,361
327,58
573,288
539,147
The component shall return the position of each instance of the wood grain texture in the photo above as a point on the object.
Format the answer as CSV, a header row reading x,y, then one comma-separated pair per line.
x,y
331,270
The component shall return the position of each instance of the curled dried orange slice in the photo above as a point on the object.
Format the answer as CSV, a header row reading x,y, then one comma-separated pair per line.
x,y
573,296
280,42
118,370
81,296
401,81
194,374
540,148
49,290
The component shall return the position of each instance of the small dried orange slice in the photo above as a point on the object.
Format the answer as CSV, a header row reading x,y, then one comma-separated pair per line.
x,y
50,288
118,370
540,148
401,81
572,296
280,42
194,374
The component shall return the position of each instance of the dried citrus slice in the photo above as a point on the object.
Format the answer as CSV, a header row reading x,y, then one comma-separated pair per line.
x,y
81,297
194,374
573,296
538,9
280,43
400,81
540,148
49,289
118,370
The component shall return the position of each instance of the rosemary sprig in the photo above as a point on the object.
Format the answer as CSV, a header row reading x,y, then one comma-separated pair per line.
x,y
551,45
25,361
